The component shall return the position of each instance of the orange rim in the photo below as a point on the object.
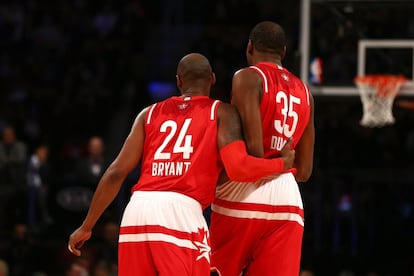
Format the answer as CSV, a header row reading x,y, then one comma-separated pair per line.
x,y
386,85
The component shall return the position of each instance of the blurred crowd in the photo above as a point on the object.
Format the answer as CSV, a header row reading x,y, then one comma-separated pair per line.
x,y
73,72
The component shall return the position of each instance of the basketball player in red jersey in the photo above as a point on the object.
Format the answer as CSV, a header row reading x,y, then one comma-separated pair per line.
x,y
184,143
260,226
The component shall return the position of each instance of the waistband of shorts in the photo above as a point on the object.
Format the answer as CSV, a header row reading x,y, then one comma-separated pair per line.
x,y
164,196
287,176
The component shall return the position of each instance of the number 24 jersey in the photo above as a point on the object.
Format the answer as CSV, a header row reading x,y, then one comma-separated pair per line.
x,y
180,149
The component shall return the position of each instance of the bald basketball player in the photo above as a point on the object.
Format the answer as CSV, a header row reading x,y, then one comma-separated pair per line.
x,y
183,143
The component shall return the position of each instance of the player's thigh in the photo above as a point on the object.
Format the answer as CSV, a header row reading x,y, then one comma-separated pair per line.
x,y
171,259
279,253
232,241
135,259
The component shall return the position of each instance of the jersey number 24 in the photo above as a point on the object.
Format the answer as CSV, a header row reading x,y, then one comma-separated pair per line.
x,y
182,141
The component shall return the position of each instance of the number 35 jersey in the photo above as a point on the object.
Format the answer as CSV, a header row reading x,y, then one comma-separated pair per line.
x,y
285,107
180,149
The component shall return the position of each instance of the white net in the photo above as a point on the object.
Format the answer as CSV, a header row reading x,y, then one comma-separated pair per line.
x,y
377,111
377,96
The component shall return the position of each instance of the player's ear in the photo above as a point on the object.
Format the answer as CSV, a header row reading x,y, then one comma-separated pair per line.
x,y
213,78
179,82
249,50
282,56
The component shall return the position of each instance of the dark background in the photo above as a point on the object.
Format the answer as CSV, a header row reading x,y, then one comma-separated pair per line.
x,y
73,69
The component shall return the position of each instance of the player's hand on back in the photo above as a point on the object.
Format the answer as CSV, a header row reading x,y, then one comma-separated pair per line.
x,y
288,154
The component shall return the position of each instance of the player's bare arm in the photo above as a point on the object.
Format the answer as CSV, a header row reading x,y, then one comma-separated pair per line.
x,y
238,164
110,183
246,96
229,125
305,147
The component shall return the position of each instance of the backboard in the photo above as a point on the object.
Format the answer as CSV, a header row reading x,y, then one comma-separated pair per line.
x,y
351,38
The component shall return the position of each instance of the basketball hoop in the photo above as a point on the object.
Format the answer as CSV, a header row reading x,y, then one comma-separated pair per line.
x,y
377,95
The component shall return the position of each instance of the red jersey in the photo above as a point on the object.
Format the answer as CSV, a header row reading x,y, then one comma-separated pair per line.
x,y
180,149
285,107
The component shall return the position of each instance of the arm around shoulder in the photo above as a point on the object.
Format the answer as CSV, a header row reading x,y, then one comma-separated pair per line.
x,y
238,164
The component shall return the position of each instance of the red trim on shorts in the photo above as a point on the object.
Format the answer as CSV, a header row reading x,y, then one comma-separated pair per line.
x,y
259,207
141,229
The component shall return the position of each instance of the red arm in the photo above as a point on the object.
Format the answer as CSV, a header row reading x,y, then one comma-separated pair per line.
x,y
238,164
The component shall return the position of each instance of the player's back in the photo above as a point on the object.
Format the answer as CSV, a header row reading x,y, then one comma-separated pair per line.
x,y
285,107
180,151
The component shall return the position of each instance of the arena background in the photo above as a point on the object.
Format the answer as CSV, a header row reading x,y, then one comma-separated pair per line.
x,y
70,70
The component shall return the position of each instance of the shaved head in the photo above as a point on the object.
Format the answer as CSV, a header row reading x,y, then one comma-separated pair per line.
x,y
268,37
194,75
194,67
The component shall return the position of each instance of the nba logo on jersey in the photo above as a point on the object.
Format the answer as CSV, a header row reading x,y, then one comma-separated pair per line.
x,y
284,76
182,106
315,72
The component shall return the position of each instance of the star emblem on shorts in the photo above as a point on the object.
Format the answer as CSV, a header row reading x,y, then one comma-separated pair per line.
x,y
203,246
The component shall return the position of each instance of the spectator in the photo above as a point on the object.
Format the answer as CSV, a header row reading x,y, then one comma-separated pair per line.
x,y
12,159
91,168
38,184
12,169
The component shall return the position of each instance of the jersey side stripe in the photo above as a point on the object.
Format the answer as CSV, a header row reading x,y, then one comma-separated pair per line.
x,y
213,110
150,113
307,93
263,76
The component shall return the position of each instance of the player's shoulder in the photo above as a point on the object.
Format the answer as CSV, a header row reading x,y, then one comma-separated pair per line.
x,y
292,76
143,113
245,78
226,110
224,107
246,73
295,79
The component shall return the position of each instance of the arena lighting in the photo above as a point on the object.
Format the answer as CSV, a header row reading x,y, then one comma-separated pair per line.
x,y
159,90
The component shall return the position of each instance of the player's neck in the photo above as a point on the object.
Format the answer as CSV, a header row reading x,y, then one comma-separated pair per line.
x,y
192,92
274,61
269,58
